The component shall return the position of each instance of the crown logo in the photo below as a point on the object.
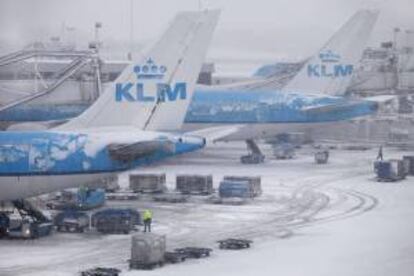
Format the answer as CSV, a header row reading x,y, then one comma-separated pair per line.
x,y
329,56
150,70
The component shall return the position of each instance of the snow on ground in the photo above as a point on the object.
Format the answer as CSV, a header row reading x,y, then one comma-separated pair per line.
x,y
312,219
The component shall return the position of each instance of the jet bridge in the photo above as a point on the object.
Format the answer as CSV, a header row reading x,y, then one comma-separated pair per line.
x,y
79,59
27,54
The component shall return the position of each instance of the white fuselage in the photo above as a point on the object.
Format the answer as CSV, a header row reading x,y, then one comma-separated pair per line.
x,y
34,163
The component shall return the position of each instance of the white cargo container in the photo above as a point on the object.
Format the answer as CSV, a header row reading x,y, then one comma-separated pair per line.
x,y
194,184
147,251
321,157
147,183
240,186
406,80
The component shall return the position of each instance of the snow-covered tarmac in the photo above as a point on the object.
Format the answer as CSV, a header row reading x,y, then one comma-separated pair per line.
x,y
312,219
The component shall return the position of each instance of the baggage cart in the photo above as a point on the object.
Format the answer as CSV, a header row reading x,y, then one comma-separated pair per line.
x,y
234,244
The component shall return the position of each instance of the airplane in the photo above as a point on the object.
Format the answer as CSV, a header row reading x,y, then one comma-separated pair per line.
x,y
132,124
314,99
315,95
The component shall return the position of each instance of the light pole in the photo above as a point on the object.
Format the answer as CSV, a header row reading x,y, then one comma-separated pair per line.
x,y
131,29
395,37
98,26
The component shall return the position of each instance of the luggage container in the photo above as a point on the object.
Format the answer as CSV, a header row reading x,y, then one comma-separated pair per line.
x,y
111,184
409,164
194,184
391,170
234,189
88,199
71,221
116,221
240,186
147,183
321,157
255,186
283,151
147,251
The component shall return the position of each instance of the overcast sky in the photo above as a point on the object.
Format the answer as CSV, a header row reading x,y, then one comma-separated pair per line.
x,y
278,28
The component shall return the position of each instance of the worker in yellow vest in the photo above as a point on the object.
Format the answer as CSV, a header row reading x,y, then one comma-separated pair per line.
x,y
147,220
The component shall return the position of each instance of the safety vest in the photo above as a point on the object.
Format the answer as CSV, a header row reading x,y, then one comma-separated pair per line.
x,y
147,215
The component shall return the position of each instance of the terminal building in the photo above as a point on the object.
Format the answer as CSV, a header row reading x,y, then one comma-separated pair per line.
x,y
56,73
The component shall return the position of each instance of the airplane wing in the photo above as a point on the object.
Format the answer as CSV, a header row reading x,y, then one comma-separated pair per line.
x,y
381,99
130,152
371,103
213,134
331,107
35,126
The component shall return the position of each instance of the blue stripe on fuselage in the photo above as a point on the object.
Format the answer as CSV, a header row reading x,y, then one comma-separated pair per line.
x,y
47,153
271,107
42,112
225,107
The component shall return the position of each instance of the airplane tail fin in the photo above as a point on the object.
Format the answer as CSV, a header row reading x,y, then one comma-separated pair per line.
x,y
154,92
330,70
